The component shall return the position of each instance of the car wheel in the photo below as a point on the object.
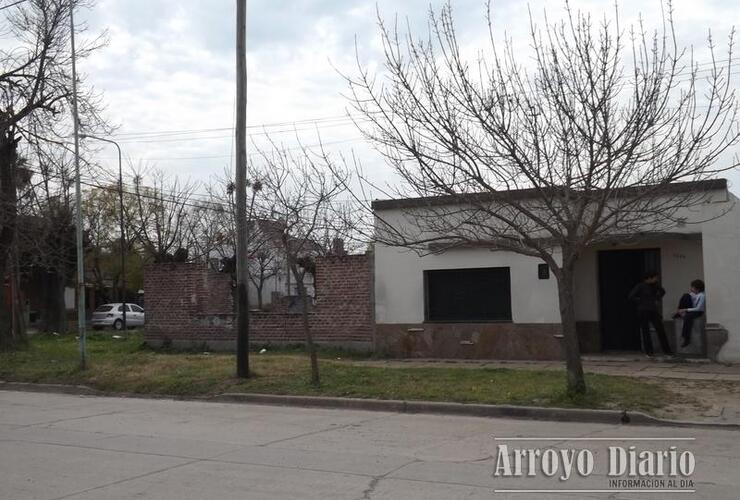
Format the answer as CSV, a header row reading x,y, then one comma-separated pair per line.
x,y
118,325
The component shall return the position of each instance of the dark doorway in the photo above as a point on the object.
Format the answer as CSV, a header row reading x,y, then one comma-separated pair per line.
x,y
619,271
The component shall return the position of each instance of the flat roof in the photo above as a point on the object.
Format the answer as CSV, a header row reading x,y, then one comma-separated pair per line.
x,y
450,199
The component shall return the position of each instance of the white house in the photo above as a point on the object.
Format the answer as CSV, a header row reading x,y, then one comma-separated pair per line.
x,y
480,302
268,264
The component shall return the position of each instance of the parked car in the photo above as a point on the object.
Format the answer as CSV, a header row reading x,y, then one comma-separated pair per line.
x,y
112,315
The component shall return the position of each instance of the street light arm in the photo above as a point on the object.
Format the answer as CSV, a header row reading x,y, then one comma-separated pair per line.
x,y
120,202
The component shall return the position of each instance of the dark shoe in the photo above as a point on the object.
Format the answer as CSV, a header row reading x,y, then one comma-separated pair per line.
x,y
685,342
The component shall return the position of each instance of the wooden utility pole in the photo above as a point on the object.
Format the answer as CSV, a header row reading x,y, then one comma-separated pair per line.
x,y
242,271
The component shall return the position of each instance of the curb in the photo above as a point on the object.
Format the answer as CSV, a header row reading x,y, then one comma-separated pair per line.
x,y
611,417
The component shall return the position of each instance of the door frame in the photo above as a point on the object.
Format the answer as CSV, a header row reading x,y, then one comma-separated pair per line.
x,y
658,269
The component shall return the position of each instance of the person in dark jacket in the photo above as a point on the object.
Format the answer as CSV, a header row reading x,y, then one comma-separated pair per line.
x,y
647,295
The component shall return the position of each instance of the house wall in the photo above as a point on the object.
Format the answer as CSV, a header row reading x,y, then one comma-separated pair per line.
x,y
399,313
399,283
399,308
721,248
680,262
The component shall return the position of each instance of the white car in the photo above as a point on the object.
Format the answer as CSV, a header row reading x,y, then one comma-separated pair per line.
x,y
112,315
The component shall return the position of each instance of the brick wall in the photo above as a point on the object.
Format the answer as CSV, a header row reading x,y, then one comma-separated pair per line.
x,y
190,304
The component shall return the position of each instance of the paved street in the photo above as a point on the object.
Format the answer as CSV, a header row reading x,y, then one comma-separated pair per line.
x,y
88,448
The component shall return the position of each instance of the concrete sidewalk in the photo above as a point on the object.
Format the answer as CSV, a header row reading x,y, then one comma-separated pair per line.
x,y
622,365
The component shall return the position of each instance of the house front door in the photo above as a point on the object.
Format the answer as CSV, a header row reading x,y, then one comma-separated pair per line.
x,y
619,271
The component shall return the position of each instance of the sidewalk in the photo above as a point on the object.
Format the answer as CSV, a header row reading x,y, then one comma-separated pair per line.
x,y
622,365
706,391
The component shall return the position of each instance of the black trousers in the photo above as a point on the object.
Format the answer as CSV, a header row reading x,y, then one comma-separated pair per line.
x,y
689,317
646,319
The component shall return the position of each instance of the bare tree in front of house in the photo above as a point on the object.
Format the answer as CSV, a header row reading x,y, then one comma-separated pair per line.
x,y
302,192
213,230
264,265
160,215
547,152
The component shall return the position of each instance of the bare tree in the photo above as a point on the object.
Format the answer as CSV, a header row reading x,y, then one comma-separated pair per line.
x,y
35,86
45,240
210,225
583,141
264,265
101,213
213,228
160,215
302,191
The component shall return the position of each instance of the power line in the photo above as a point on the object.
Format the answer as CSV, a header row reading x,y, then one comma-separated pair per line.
x,y
114,179
144,191
12,4
327,122
213,157
147,140
176,132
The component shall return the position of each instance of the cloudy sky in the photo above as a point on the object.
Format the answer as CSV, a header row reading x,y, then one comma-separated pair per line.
x,y
168,71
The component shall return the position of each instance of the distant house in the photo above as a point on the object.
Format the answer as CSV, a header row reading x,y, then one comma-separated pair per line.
x,y
482,302
268,263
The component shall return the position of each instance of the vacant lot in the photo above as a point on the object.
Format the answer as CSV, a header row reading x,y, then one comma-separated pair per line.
x,y
127,365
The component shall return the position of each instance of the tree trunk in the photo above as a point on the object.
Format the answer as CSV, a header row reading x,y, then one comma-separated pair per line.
x,y
259,285
311,347
17,306
55,313
574,367
8,217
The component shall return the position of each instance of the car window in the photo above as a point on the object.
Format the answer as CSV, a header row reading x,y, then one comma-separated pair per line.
x,y
137,309
120,309
103,309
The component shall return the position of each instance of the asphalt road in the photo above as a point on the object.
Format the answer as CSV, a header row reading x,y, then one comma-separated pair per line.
x,y
89,448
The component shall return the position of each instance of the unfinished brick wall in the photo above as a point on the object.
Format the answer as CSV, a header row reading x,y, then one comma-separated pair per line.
x,y
344,300
190,304
187,303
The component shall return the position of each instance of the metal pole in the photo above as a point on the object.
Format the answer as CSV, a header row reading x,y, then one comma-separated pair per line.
x,y
123,233
242,272
78,200
121,219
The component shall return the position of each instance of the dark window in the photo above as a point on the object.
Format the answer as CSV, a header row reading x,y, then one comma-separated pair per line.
x,y
543,271
481,294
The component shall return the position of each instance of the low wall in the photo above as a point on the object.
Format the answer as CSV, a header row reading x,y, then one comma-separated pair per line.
x,y
530,341
190,304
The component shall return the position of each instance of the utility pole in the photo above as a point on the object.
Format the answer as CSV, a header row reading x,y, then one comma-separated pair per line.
x,y
242,271
78,201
